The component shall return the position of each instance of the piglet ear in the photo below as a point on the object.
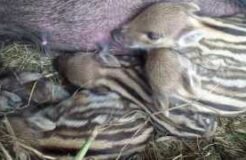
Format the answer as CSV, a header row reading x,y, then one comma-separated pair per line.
x,y
190,38
191,7
41,123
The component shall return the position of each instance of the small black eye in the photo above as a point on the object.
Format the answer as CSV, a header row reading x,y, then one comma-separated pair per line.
x,y
153,35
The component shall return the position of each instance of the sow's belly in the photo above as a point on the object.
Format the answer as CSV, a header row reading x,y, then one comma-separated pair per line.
x,y
83,24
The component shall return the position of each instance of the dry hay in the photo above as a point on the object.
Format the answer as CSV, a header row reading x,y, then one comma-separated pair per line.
x,y
20,57
228,143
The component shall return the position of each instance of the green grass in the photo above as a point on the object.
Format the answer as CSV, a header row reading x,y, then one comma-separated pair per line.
x,y
229,142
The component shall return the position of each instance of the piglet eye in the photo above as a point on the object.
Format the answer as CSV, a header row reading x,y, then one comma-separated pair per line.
x,y
153,35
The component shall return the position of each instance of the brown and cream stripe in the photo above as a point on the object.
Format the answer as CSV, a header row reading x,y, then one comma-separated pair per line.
x,y
217,64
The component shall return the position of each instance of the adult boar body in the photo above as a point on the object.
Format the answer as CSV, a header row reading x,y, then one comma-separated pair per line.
x,y
72,25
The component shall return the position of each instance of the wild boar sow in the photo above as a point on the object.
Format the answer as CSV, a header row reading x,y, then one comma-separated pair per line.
x,y
82,24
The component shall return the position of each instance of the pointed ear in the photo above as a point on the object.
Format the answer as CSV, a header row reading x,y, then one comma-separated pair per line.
x,y
190,38
191,7
42,124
